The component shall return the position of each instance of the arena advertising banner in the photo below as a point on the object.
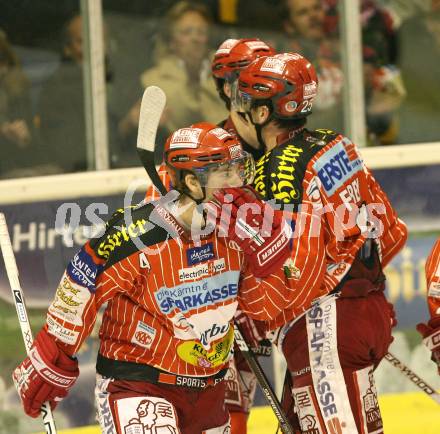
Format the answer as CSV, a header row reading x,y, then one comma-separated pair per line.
x,y
45,236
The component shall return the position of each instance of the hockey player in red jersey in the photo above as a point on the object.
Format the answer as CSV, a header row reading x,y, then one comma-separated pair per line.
x,y
171,292
231,56
333,349
431,331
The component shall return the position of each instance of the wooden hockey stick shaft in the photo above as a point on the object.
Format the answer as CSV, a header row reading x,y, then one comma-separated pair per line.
x,y
413,377
263,381
20,306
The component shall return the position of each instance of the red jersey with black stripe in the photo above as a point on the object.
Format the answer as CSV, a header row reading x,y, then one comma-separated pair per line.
x,y
169,300
340,212
432,271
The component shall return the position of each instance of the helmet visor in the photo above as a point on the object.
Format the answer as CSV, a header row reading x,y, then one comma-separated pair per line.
x,y
234,173
240,101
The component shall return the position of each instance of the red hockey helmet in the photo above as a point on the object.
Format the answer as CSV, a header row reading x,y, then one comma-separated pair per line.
x,y
205,147
288,81
236,54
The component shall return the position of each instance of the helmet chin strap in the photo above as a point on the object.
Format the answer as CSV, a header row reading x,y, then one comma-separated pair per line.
x,y
187,193
197,201
259,129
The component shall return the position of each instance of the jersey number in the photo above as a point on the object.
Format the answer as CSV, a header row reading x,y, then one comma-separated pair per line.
x,y
143,261
306,106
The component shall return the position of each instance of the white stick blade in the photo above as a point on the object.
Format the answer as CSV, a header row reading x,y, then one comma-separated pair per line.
x,y
152,106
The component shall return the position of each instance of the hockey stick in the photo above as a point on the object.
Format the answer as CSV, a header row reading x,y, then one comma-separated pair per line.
x,y
152,106
269,393
412,376
17,295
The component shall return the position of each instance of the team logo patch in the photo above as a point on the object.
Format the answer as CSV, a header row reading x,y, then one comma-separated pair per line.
x,y
272,64
284,184
185,138
220,133
83,270
372,419
200,254
235,152
257,45
226,47
290,270
313,192
19,303
70,301
142,415
337,165
143,335
289,56
337,269
202,270
232,385
290,106
307,410
65,335
434,290
316,141
280,242
181,325
310,90
326,369
193,295
195,354
124,234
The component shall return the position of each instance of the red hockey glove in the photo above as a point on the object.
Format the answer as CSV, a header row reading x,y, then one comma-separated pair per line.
x,y
254,333
45,375
431,338
259,230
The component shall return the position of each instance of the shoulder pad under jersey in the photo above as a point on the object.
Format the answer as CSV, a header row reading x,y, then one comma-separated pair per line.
x,y
127,233
321,136
280,172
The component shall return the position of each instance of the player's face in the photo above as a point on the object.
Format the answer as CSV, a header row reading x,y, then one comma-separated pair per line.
x,y
240,112
227,89
223,177
235,173
245,129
